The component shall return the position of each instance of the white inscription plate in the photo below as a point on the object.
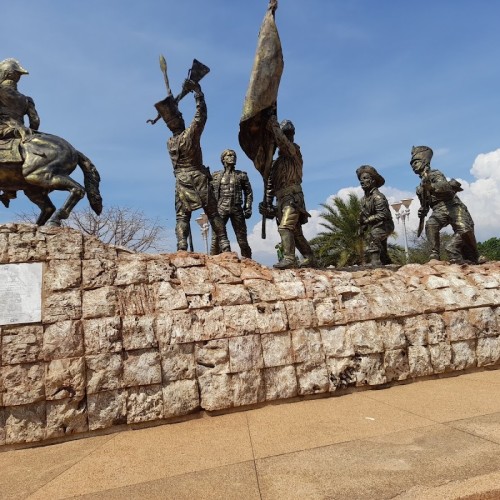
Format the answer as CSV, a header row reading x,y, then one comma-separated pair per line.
x,y
20,293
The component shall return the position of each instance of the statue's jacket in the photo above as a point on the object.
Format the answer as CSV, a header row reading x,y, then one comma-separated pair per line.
x,y
234,196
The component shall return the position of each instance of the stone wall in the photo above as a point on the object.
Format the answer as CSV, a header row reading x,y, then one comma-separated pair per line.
x,y
128,338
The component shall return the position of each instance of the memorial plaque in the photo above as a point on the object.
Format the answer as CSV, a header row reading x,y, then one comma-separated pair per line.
x,y
20,293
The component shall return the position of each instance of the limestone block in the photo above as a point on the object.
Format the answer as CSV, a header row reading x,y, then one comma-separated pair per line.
x,y
392,333
21,344
435,282
328,311
170,297
199,301
177,362
26,245
440,357
23,384
141,367
163,329
106,409
447,298
370,370
144,404
65,378
463,354
277,349
312,378
96,249
307,346
104,372
2,422
195,281
186,327
355,307
62,340
337,341
270,318
436,330
396,364
4,255
280,276
245,353
138,332
97,273
484,321
281,382
419,360
102,335
261,290
224,272
251,270
248,387
62,274
65,417
231,295
289,290
131,269
25,424
416,329
63,243
62,306
212,356
240,320
159,268
342,372
188,259
458,326
180,397
366,338
99,303
317,284
300,314
216,392
1,388
488,351
136,300
484,281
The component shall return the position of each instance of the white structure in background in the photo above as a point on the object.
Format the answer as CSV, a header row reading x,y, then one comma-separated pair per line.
x,y
202,221
403,214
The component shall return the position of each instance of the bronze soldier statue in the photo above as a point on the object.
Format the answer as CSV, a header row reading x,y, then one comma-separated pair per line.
x,y
285,183
437,193
375,219
14,106
192,188
234,196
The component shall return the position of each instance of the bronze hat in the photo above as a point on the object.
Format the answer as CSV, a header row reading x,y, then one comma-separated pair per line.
x,y
368,169
168,109
421,153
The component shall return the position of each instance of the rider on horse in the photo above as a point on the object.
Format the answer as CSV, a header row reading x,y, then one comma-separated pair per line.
x,y
14,106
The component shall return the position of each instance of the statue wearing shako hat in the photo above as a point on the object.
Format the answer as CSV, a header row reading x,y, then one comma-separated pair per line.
x,y
438,193
192,187
375,219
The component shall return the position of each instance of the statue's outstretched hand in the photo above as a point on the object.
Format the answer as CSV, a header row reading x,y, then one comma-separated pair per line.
x,y
191,85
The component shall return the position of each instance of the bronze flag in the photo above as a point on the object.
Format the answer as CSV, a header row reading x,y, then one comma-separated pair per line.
x,y
260,100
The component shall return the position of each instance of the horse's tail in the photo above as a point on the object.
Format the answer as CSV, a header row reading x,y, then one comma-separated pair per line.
x,y
91,179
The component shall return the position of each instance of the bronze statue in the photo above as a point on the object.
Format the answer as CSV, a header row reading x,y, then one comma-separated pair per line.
x,y
437,193
285,183
234,196
192,187
35,162
375,219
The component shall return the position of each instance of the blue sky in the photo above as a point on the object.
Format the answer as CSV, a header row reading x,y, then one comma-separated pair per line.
x,y
363,81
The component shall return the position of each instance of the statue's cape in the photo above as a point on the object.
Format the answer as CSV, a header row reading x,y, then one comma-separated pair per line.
x,y
254,138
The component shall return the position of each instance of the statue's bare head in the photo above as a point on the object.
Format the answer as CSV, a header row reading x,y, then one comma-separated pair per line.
x,y
228,158
10,69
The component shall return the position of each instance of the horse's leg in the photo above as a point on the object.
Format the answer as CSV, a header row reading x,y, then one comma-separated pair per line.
x,y
41,200
60,183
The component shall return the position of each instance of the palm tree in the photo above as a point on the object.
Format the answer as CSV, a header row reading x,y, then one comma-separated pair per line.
x,y
341,244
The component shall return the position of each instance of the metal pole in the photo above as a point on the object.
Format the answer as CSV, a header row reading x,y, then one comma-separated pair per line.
x,y
406,238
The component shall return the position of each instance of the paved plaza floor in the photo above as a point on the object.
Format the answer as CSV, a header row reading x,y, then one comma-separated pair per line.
x,y
432,439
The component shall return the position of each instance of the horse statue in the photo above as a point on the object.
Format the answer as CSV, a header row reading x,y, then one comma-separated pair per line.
x,y
36,162
46,164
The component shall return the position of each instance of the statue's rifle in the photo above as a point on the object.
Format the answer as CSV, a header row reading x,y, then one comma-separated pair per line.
x,y
424,209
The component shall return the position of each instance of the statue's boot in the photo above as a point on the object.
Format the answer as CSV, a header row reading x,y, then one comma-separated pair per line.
x,y
454,249
182,233
375,259
432,234
288,241
305,249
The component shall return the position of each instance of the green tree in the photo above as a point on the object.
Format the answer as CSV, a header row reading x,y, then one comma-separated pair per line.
x,y
340,244
490,248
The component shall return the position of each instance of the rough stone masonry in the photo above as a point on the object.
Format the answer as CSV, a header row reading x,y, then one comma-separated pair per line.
x,y
128,338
